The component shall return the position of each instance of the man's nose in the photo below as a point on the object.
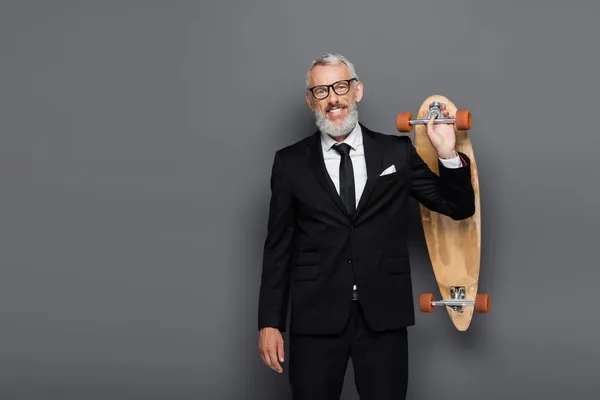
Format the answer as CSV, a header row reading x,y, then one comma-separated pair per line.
x,y
333,98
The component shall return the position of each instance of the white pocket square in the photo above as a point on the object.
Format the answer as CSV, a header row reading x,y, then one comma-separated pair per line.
x,y
389,170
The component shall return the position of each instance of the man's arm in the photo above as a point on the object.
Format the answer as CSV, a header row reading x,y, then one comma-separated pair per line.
x,y
451,193
275,279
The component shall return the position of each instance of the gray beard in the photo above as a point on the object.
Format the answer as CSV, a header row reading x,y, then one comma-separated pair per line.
x,y
333,130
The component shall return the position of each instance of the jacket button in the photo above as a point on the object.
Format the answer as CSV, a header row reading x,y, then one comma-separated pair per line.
x,y
349,261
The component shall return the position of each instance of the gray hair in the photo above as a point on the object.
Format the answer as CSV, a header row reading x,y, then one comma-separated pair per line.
x,y
331,59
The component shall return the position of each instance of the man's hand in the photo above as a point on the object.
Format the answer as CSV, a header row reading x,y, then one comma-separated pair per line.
x,y
442,135
270,345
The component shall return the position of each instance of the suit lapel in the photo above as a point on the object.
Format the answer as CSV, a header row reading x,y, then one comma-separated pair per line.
x,y
317,164
373,157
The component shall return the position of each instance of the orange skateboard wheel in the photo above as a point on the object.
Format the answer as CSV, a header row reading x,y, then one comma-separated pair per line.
x,y
425,302
482,303
463,120
403,122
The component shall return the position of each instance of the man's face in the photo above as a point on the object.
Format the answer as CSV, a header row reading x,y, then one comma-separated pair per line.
x,y
334,110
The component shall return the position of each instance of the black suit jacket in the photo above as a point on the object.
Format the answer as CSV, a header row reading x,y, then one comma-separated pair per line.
x,y
315,251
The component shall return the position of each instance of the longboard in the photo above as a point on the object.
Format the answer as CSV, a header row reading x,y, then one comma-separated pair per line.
x,y
454,246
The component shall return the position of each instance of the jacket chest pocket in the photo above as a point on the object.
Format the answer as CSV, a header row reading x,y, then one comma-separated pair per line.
x,y
393,177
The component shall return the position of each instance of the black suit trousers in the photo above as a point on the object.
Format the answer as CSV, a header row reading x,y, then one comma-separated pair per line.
x,y
318,363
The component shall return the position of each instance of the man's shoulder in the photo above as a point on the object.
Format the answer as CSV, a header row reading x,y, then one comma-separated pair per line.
x,y
297,147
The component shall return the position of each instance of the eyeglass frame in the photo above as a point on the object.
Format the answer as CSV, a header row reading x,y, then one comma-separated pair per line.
x,y
330,87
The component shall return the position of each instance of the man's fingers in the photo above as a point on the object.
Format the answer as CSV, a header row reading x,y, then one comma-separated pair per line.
x,y
280,351
274,364
264,355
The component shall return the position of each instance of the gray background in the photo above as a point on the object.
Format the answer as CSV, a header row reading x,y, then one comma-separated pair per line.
x,y
137,141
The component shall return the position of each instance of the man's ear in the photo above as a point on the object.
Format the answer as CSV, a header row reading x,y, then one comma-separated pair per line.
x,y
308,101
359,91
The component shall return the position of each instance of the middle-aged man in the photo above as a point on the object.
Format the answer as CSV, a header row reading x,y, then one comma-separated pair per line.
x,y
336,241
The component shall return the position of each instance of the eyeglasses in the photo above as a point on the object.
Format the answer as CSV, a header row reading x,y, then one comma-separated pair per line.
x,y
340,87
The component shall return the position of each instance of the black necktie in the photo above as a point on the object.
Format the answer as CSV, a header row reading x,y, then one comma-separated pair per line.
x,y
347,192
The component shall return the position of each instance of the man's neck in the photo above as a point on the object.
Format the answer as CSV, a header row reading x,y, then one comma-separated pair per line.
x,y
340,138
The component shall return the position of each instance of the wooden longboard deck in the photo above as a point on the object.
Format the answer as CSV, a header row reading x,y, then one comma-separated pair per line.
x,y
454,246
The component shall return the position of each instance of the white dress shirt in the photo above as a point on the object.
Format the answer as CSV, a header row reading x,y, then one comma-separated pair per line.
x,y
359,165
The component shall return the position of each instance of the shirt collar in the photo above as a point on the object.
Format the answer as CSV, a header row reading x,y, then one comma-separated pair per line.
x,y
354,139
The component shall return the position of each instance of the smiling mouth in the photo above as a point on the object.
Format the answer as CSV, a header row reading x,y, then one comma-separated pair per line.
x,y
335,110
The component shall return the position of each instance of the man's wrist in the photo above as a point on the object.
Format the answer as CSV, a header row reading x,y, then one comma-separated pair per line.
x,y
448,155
